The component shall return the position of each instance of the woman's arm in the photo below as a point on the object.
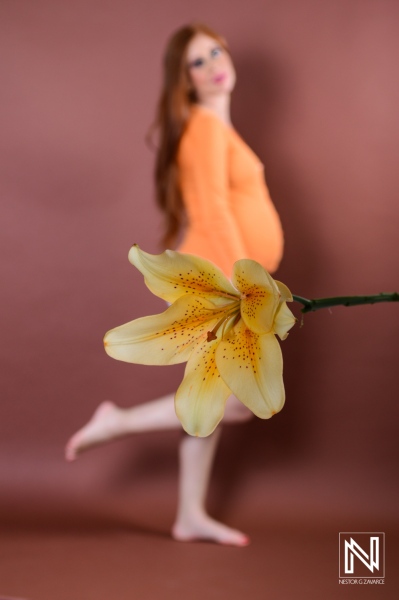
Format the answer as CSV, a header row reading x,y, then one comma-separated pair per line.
x,y
204,181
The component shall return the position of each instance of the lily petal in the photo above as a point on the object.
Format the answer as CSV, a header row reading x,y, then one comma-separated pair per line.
x,y
286,295
164,339
283,321
202,395
171,275
252,367
259,295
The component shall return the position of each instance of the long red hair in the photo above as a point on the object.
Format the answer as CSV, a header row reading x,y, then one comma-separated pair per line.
x,y
172,114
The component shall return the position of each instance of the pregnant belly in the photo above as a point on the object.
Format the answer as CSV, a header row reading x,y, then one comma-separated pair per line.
x,y
261,230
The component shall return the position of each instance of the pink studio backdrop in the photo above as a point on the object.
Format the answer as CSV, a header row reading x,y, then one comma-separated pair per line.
x,y
317,98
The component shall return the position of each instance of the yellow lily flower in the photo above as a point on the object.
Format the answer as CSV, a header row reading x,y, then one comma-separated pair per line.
x,y
224,330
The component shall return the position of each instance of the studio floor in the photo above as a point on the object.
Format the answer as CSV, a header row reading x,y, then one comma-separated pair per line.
x,y
125,562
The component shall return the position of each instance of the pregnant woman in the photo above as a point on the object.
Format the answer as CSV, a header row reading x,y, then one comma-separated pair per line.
x,y
211,188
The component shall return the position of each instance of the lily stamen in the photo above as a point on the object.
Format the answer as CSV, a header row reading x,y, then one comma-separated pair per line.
x,y
228,314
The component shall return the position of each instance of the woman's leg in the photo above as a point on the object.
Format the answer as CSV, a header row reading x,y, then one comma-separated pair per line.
x,y
192,521
196,459
110,422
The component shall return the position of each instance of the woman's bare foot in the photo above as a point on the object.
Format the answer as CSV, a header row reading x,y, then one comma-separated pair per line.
x,y
202,527
105,425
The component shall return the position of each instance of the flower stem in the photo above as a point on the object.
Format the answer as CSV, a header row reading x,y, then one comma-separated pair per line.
x,y
318,303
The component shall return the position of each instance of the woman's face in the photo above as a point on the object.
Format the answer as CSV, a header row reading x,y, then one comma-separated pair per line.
x,y
210,67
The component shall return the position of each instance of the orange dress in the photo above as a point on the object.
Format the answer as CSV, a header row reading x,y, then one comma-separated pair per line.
x,y
229,211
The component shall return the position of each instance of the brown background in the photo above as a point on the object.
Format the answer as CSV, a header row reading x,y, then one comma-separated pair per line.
x,y
317,98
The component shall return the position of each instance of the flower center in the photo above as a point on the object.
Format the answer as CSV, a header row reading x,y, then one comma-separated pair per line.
x,y
233,310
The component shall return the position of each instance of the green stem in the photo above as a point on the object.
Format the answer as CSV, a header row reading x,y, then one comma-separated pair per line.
x,y
318,303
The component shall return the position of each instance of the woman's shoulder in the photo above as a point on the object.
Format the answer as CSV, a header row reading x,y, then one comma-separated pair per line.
x,y
203,119
203,129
